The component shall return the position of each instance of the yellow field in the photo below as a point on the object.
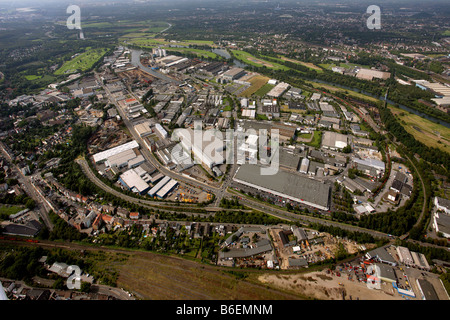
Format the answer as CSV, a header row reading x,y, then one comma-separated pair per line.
x,y
257,82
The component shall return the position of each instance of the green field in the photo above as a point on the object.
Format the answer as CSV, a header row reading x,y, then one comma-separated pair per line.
x,y
82,62
306,64
316,141
145,25
144,39
251,60
257,83
423,130
264,90
6,211
199,52
329,66
334,89
283,59
32,77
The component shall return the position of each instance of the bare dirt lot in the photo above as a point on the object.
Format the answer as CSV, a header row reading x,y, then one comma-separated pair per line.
x,y
323,286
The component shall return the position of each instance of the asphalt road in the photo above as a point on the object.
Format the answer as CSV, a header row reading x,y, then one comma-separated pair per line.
x,y
41,203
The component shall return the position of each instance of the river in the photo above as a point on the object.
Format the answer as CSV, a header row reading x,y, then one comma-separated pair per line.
x,y
224,53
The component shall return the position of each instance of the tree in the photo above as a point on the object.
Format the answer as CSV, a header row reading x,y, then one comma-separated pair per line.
x,y
85,287
30,204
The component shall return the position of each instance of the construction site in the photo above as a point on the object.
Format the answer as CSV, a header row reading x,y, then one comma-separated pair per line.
x,y
313,247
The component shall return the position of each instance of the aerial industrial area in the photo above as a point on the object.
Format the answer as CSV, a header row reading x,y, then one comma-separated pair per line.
x,y
226,153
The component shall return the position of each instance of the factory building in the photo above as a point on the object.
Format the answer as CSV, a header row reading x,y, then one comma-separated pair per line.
x,y
158,186
104,155
169,186
161,131
209,151
134,182
334,141
233,74
286,185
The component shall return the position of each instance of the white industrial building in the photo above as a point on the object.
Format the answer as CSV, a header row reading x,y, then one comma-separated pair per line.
x,y
209,151
405,256
158,186
442,204
161,131
441,223
377,164
304,165
120,160
249,149
159,52
134,182
334,141
144,129
104,155
162,193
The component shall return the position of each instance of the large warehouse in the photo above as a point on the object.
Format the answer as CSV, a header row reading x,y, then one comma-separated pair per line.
x,y
102,156
334,140
287,185
134,182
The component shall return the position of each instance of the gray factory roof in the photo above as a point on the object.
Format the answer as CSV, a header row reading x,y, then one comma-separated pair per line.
x,y
382,255
294,262
291,185
261,247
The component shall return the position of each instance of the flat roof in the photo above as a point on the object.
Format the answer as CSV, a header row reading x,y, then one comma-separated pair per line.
x,y
166,188
386,272
121,158
334,139
382,255
133,180
427,290
159,185
405,255
233,71
101,156
143,128
286,184
374,163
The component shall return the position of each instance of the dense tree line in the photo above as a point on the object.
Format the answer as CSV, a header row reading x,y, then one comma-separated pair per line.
x,y
61,230
430,154
22,263
360,237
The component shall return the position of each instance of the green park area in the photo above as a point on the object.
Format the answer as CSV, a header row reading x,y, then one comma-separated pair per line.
x,y
6,211
198,52
82,62
251,60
